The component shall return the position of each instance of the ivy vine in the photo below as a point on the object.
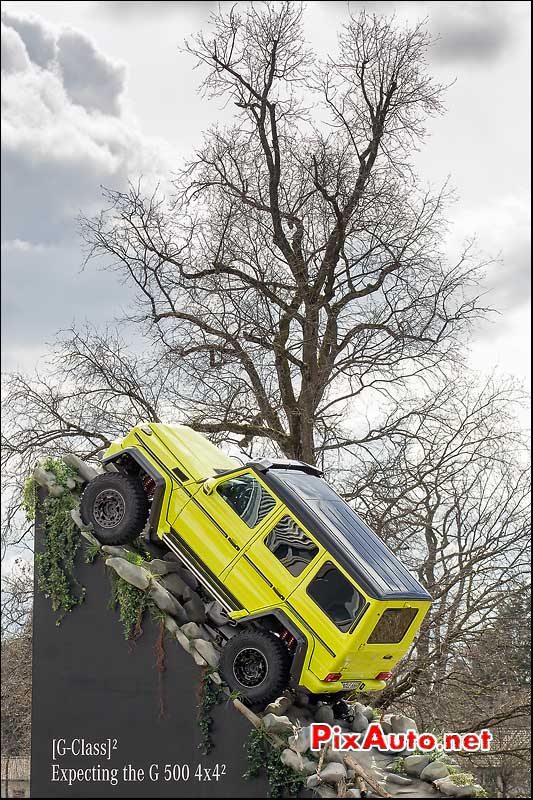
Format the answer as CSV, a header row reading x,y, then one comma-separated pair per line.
x,y
131,603
262,754
61,540
209,695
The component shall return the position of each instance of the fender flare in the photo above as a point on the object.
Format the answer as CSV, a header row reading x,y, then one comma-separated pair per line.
x,y
158,478
302,644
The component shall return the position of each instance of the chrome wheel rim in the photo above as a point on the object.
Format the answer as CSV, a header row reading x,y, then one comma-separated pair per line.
x,y
109,508
250,667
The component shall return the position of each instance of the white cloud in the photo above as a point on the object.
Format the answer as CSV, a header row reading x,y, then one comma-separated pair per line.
x,y
90,79
38,39
470,31
14,54
501,226
64,135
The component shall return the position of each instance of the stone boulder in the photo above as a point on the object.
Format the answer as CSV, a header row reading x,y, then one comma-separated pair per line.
x,y
297,762
434,770
385,723
116,550
216,614
334,756
208,651
194,606
199,659
359,722
301,699
129,572
326,791
175,584
279,706
167,602
159,566
275,724
451,789
413,765
333,773
75,515
399,780
325,714
401,724
85,471
300,742
192,630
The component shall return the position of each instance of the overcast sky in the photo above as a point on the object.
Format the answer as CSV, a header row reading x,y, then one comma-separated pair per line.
x,y
96,92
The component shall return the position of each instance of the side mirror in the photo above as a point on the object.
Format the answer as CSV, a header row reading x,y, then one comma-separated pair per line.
x,y
209,485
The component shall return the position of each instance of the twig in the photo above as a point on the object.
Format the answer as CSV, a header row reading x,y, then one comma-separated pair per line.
x,y
257,722
361,774
321,759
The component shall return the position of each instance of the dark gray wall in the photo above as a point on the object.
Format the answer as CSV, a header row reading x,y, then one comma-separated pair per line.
x,y
88,682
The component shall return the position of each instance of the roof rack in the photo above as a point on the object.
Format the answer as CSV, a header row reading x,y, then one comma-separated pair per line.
x,y
265,464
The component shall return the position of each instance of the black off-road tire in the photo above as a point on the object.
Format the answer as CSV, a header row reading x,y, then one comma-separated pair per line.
x,y
116,507
274,657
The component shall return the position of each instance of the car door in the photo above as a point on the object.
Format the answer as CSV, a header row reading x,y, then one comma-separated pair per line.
x,y
238,507
284,552
332,605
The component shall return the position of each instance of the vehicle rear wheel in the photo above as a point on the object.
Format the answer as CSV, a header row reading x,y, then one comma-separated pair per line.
x,y
116,506
257,665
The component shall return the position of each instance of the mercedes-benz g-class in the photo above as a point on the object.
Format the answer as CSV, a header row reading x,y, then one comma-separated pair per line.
x,y
313,597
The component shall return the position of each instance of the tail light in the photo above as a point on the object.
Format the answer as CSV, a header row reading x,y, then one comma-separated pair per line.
x,y
332,677
384,676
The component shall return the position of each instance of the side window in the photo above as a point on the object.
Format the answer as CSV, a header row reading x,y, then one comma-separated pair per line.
x,y
291,546
336,596
247,498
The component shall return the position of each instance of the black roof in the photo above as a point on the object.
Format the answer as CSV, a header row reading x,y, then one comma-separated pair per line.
x,y
343,533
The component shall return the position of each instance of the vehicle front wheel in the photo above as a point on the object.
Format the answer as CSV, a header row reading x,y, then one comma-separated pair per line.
x,y
116,506
257,665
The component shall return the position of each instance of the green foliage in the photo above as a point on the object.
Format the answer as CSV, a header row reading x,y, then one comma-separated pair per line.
x,y
462,778
55,564
398,767
452,768
29,498
376,714
92,551
131,602
282,780
434,755
480,792
209,695
134,558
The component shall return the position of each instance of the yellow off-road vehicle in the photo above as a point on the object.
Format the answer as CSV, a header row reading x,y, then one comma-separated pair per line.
x,y
313,598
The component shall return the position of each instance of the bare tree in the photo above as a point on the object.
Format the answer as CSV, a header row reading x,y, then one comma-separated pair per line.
x,y
17,593
452,498
292,294
295,276
298,264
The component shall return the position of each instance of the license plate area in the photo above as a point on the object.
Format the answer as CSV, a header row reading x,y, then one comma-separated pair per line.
x,y
353,685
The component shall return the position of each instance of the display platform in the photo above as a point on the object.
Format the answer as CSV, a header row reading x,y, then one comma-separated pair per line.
x,y
97,727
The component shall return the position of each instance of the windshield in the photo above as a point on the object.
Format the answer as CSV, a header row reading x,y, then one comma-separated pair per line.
x,y
247,498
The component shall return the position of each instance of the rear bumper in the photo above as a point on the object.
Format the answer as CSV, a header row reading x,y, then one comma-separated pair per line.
x,y
310,682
